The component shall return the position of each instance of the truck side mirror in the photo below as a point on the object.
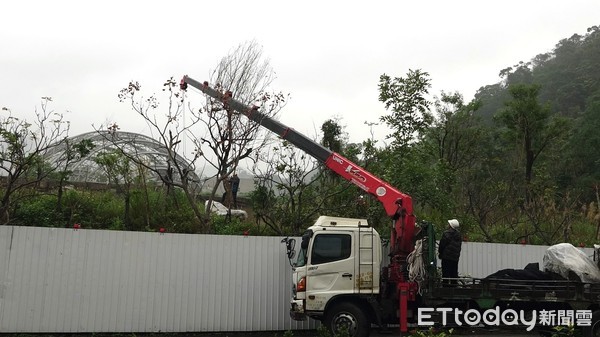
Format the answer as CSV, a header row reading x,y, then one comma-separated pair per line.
x,y
290,244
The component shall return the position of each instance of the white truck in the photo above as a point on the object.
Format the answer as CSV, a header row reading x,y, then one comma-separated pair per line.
x,y
340,276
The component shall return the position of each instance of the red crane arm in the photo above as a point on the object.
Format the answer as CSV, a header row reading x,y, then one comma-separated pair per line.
x,y
396,204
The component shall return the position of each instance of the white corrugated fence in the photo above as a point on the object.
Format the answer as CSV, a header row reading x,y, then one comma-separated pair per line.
x,y
66,280
480,259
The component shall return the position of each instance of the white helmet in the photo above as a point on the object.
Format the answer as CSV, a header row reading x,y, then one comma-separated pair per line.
x,y
454,223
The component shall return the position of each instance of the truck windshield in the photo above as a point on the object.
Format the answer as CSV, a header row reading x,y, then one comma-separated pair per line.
x,y
301,262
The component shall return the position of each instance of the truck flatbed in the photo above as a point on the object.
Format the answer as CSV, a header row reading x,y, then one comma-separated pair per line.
x,y
489,292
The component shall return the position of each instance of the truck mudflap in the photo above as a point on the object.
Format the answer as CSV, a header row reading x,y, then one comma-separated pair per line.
x,y
297,312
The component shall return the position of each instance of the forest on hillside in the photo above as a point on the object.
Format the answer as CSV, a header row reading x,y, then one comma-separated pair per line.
x,y
541,127
519,163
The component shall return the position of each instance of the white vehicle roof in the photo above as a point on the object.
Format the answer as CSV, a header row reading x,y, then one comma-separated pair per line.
x,y
330,221
220,209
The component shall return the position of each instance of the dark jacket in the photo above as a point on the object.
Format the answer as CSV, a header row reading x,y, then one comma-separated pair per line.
x,y
235,183
450,244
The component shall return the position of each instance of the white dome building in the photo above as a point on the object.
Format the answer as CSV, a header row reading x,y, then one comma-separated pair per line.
x,y
151,152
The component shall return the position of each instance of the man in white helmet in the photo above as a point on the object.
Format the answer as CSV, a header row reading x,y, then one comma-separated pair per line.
x,y
449,251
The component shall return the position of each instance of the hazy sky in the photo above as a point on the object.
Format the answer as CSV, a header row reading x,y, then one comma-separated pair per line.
x,y
328,55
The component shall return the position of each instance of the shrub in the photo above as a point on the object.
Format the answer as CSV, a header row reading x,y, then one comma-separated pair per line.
x,y
38,211
564,331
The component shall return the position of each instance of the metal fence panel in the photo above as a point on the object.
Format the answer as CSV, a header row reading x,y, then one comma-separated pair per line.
x,y
64,280
480,259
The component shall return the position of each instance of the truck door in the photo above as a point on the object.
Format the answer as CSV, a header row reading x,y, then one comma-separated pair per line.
x,y
330,269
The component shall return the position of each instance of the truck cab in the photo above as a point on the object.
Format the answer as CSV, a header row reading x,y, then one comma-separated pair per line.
x,y
339,260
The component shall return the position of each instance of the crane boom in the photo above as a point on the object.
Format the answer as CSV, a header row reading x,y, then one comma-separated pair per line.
x,y
297,139
396,204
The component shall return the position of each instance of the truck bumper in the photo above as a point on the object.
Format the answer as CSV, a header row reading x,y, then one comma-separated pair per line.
x,y
297,310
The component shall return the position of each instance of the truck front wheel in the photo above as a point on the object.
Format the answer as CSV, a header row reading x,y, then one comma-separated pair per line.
x,y
348,317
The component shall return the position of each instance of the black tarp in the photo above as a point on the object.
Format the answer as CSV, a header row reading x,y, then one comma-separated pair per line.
x,y
530,272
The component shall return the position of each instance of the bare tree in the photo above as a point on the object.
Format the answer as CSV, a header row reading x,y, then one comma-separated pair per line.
x,y
219,135
73,153
121,175
230,137
287,195
171,129
22,148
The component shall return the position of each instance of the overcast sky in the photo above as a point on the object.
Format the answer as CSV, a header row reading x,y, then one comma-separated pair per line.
x,y
328,55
